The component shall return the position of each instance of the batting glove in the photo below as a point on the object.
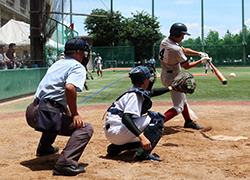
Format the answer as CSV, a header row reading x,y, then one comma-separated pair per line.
x,y
203,54
206,60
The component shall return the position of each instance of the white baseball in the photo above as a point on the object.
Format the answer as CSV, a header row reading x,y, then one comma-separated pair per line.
x,y
232,75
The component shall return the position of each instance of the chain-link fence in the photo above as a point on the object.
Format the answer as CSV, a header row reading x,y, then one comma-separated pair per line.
x,y
55,45
115,56
124,56
222,55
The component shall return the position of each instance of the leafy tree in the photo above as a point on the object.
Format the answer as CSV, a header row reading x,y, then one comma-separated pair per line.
x,y
142,31
213,38
229,38
106,31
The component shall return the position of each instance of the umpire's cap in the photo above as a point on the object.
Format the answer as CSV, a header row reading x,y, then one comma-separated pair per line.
x,y
75,44
139,74
178,28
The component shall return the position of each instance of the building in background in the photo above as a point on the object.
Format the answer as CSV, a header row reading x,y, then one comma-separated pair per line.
x,y
14,9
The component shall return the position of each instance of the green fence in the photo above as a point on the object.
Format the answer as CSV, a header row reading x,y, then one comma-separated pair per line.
x,y
222,55
19,82
115,56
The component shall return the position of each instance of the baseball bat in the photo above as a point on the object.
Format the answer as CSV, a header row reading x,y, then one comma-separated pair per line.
x,y
219,74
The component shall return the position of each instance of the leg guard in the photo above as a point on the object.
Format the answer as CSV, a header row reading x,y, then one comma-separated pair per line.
x,y
154,130
154,133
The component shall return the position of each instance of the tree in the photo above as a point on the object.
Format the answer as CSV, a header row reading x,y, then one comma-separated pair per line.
x,y
106,31
229,38
212,38
142,31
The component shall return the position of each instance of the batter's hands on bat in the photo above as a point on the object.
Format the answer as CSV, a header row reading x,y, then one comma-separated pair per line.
x,y
203,54
78,122
146,145
206,60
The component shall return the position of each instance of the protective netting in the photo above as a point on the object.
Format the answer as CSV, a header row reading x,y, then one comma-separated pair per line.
x,y
49,25
56,34
115,56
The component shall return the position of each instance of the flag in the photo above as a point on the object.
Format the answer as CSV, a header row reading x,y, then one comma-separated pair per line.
x,y
72,26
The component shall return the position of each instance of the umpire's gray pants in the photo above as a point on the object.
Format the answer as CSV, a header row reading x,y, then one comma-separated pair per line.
x,y
77,142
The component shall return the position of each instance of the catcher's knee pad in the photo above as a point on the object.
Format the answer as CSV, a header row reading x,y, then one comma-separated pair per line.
x,y
154,130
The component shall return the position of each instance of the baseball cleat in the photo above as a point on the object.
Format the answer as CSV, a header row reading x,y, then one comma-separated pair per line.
x,y
113,150
47,151
144,156
192,125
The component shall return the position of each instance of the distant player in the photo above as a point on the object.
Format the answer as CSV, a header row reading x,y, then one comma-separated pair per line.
x,y
209,66
172,57
98,62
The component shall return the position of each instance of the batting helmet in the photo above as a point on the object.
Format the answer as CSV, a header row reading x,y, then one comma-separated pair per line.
x,y
139,74
178,28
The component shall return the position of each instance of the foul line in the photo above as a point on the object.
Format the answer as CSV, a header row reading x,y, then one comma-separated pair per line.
x,y
101,90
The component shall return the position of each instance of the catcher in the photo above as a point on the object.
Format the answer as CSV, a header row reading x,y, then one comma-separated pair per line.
x,y
127,127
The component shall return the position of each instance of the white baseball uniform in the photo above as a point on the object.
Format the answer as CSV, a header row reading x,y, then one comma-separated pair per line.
x,y
98,61
118,133
172,56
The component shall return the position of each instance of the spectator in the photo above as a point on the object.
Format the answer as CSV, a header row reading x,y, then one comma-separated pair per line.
x,y
51,59
3,58
11,56
26,59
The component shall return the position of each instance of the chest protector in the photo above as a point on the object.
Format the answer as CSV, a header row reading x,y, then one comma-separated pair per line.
x,y
147,103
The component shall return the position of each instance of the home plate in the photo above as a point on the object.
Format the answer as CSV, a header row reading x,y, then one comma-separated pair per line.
x,y
227,138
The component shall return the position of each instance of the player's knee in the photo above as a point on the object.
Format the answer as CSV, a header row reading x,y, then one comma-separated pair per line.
x,y
179,109
87,130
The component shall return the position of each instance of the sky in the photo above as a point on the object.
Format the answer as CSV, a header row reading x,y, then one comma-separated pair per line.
x,y
219,15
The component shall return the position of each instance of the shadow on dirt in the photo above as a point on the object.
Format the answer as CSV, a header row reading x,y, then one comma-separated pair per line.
x,y
44,163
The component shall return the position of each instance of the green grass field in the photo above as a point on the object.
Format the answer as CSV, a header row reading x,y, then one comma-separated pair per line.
x,y
209,88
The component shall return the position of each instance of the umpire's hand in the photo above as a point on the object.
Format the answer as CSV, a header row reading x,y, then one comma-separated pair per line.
x,y
78,122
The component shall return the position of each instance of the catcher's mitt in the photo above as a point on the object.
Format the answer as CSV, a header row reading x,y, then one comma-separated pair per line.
x,y
184,82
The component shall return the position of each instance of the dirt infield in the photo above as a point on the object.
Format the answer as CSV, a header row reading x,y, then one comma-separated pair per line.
x,y
187,154
220,151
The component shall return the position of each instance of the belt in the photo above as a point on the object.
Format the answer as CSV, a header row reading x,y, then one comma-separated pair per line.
x,y
50,102
115,111
170,71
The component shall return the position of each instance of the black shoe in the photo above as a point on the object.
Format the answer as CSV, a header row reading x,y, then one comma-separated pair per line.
x,y
86,87
49,150
191,124
144,156
113,150
67,170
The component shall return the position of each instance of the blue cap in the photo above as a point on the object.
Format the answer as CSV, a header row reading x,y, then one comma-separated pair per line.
x,y
75,44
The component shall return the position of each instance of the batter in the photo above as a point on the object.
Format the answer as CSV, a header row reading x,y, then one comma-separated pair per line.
x,y
172,57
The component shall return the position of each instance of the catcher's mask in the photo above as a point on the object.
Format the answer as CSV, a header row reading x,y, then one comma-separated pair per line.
x,y
75,44
139,74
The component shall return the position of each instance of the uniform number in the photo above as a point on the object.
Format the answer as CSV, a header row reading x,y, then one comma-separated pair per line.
x,y
161,54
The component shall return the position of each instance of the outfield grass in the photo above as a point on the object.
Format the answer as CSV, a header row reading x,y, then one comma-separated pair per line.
x,y
209,88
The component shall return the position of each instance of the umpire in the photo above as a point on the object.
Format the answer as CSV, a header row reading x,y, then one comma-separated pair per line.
x,y
49,113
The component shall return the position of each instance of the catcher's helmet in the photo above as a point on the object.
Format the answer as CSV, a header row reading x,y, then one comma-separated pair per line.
x,y
178,28
139,74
